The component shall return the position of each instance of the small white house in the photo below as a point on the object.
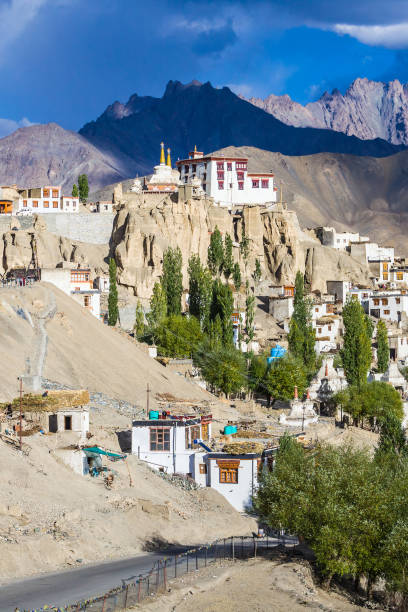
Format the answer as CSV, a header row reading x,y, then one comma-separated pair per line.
x,y
339,290
102,283
169,444
234,476
47,199
77,283
103,206
387,305
341,241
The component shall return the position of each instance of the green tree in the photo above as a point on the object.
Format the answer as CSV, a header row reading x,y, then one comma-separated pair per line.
x,y
83,187
113,310
257,272
283,376
250,316
244,248
200,291
178,336
215,254
392,437
375,400
256,372
383,348
301,336
356,353
139,326
223,368
228,263
172,279
223,305
75,192
158,307
236,275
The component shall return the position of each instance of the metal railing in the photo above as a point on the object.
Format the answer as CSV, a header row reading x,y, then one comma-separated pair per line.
x,y
171,567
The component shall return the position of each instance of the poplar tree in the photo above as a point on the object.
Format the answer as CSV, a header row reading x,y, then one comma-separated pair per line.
x,y
223,305
383,348
139,325
172,279
236,275
158,306
113,311
257,272
356,352
75,192
215,254
200,291
83,187
249,316
228,264
244,248
301,336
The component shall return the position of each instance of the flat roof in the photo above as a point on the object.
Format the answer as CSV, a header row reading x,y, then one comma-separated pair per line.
x,y
167,422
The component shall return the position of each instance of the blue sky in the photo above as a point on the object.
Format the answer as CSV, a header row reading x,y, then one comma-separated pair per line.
x,y
66,60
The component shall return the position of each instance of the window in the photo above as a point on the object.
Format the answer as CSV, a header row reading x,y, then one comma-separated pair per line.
x,y
24,202
68,422
229,166
386,312
255,183
55,193
194,432
400,276
203,468
220,165
376,302
240,176
384,301
160,438
319,331
241,185
194,167
87,301
241,166
398,300
220,184
46,204
35,203
220,176
46,193
385,266
55,204
316,310
229,475
385,275
329,328
265,183
186,168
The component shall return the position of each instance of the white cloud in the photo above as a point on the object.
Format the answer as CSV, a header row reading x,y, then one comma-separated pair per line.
x,y
7,126
15,16
390,36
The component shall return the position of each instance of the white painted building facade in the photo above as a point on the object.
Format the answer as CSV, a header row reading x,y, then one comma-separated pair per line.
x,y
227,180
47,199
341,241
387,305
77,283
371,251
339,289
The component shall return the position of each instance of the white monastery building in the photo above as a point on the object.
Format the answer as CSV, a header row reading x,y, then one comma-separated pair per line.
x,y
77,283
227,180
48,199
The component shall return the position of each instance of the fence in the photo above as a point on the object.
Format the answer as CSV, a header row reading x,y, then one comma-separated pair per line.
x,y
173,566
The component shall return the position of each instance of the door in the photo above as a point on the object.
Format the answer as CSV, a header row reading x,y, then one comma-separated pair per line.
x,y
204,431
67,422
53,423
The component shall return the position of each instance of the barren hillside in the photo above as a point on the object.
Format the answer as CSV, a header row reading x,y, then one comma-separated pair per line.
x,y
364,194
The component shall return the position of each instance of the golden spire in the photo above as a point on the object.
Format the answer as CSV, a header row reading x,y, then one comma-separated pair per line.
x,y
195,148
168,158
162,160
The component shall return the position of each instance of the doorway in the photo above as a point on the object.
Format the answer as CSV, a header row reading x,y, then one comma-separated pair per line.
x,y
67,422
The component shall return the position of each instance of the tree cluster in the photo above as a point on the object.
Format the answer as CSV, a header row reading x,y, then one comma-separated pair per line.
x,y
374,401
349,507
301,336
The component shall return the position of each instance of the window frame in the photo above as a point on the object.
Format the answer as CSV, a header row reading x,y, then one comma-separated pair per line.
x,y
162,445
228,475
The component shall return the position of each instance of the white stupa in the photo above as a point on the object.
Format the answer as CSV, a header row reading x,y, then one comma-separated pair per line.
x,y
164,178
302,413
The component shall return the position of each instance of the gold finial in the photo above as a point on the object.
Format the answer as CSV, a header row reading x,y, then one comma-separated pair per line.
x,y
162,160
168,158
195,148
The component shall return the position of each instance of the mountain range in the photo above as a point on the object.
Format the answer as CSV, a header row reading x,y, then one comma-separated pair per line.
x,y
368,109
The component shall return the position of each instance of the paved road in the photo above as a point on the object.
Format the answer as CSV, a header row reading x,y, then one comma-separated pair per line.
x,y
92,580
73,585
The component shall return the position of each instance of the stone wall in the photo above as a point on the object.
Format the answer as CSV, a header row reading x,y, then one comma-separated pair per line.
x,y
84,227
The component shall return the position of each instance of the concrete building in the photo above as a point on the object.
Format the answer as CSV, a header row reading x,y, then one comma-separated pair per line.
x,y
388,305
77,283
227,180
168,444
341,241
103,207
234,476
281,308
339,289
371,252
48,199
102,283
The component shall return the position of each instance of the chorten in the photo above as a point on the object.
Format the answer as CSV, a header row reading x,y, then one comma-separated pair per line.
x,y
302,413
164,178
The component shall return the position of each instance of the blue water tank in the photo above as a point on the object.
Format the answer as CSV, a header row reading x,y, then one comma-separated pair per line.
x,y
153,415
276,353
230,429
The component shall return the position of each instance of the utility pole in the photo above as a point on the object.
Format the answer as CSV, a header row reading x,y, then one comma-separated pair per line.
x,y
147,398
21,412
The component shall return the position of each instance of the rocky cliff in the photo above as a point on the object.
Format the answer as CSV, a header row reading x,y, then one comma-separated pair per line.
x,y
368,109
147,224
